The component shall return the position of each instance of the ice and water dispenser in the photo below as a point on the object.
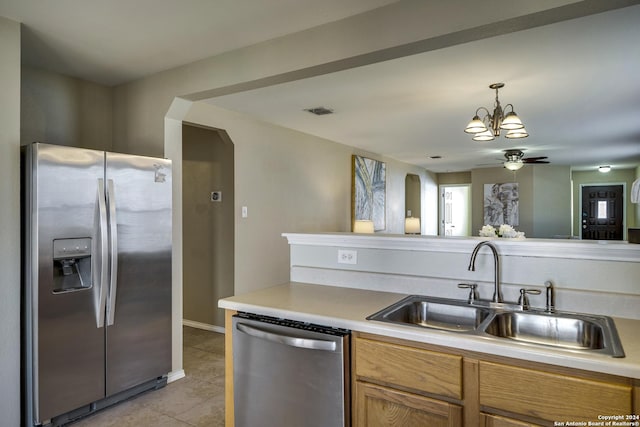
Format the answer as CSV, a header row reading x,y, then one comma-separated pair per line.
x,y
71,264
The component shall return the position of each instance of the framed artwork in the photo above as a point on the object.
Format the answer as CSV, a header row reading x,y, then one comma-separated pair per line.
x,y
368,191
501,204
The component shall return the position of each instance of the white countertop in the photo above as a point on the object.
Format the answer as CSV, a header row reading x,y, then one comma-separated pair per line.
x,y
348,308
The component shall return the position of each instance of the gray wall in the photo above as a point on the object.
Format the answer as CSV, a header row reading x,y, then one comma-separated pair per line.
x,y
545,198
208,227
64,110
10,222
551,202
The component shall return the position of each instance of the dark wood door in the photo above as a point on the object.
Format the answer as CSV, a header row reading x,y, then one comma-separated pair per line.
x,y
602,212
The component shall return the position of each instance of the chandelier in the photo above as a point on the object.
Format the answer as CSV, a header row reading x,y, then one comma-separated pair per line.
x,y
489,126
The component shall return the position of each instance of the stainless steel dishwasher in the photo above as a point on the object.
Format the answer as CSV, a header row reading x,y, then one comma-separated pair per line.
x,y
289,373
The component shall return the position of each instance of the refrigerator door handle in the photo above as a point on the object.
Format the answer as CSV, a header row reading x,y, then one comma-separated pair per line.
x,y
104,247
113,233
286,339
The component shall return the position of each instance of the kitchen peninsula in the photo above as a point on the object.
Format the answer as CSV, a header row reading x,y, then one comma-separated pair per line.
x,y
452,378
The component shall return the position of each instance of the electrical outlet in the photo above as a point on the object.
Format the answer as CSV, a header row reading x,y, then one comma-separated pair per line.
x,y
347,256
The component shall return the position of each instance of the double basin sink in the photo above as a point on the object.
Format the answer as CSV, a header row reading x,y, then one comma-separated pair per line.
x,y
572,331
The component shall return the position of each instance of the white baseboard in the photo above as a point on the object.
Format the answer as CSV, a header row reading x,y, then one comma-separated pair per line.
x,y
205,326
175,375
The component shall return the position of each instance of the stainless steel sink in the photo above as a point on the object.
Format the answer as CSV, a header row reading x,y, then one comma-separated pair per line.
x,y
437,313
571,331
564,330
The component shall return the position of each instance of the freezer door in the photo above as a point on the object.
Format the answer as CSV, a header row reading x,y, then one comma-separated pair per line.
x,y
139,304
65,343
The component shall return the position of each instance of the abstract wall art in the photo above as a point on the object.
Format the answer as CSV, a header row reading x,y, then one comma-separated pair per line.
x,y
368,193
501,204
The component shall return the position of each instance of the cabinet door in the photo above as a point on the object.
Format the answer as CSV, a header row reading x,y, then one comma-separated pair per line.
x,y
498,421
378,406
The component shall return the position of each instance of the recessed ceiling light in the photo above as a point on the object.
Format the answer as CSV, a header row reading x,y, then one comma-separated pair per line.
x,y
319,111
604,169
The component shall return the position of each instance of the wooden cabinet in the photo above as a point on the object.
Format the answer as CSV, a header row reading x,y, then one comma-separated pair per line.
x,y
379,406
499,421
409,367
399,385
551,396
402,383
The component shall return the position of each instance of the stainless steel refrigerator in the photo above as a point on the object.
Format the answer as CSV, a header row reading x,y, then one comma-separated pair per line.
x,y
96,281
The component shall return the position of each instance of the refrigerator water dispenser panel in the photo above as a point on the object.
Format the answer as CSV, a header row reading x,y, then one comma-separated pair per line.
x,y
71,264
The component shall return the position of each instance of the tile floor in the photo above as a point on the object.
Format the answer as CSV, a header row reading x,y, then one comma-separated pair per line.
x,y
196,400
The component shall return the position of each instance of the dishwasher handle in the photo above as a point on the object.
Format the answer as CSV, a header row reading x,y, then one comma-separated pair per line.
x,y
287,340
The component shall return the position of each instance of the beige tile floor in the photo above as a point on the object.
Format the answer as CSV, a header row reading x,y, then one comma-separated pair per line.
x,y
196,400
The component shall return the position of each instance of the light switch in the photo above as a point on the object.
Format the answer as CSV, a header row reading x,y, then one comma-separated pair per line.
x,y
244,212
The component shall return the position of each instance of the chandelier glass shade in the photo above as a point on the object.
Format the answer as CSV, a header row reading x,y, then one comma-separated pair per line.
x,y
488,127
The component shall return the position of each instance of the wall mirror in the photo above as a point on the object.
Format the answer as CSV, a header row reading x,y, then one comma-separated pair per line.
x,y
412,102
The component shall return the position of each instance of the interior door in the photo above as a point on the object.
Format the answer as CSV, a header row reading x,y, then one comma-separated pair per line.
x,y
139,304
455,212
602,212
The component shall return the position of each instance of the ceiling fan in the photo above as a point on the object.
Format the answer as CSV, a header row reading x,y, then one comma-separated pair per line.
x,y
515,159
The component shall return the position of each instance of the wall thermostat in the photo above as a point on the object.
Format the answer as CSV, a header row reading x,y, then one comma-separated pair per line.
x,y
216,196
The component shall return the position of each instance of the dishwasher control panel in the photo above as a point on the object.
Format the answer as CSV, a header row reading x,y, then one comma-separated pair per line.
x,y
295,324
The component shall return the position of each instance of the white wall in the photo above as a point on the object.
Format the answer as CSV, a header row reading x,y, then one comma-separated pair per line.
x,y
10,222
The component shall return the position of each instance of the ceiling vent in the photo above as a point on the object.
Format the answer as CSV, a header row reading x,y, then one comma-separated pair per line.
x,y
319,111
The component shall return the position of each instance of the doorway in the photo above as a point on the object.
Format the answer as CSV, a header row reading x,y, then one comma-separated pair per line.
x,y
603,212
455,210
207,224
413,199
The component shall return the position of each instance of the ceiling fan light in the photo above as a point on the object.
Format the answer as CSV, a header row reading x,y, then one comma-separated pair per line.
x,y
487,135
513,165
511,121
517,133
475,126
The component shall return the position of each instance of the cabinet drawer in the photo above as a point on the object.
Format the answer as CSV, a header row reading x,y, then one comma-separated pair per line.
x,y
409,367
550,396
497,421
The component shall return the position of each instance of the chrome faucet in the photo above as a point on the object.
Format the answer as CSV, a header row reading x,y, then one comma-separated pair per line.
x,y
551,297
497,292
